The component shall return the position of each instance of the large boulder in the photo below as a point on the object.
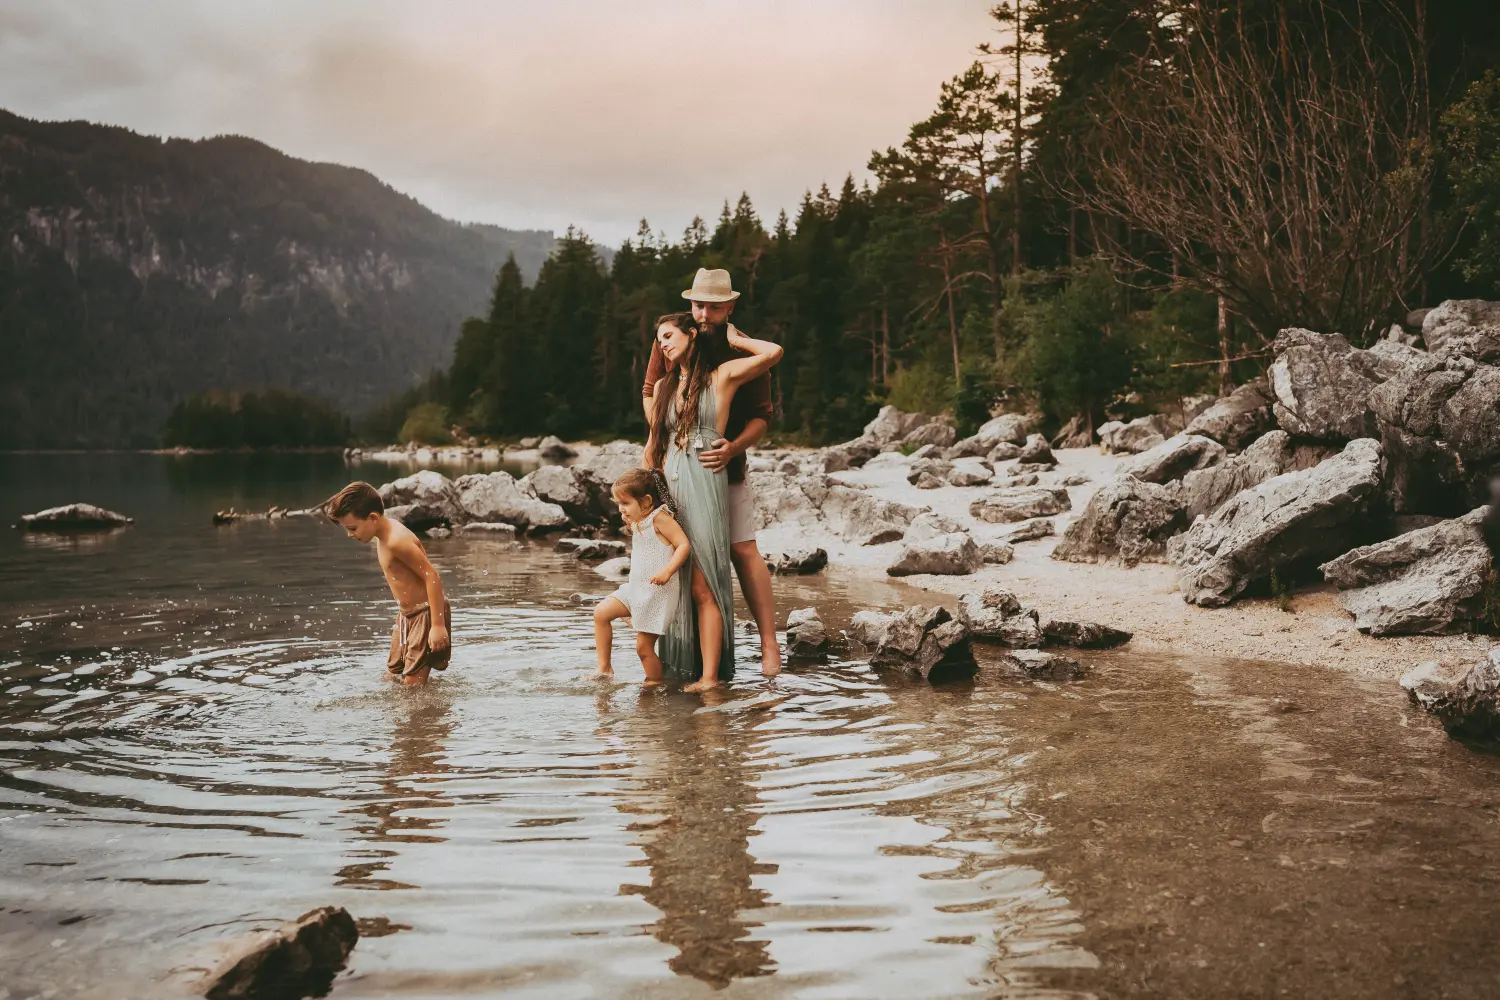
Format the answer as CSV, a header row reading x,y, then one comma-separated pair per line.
x,y
1173,459
939,545
1204,491
429,499
819,501
1140,434
1074,434
1237,419
1467,328
1439,420
920,642
1084,635
936,433
849,455
591,548
801,562
806,638
969,472
1021,503
996,614
73,517
1290,520
554,447
937,468
1126,519
1008,428
495,496
1321,385
891,426
297,959
1026,531
1465,701
582,494
1431,580
1036,451
1040,665
611,461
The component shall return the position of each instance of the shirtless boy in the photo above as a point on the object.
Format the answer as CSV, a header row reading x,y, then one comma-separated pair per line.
x,y
419,643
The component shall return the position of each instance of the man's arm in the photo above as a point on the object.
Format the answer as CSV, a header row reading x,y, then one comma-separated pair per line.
x,y
411,555
656,370
722,451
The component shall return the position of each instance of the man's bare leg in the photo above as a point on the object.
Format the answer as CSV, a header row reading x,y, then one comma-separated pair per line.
x,y
755,584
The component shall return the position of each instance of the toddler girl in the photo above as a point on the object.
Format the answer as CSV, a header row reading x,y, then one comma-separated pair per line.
x,y
659,548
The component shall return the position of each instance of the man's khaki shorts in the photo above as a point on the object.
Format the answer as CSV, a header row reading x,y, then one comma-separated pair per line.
x,y
741,514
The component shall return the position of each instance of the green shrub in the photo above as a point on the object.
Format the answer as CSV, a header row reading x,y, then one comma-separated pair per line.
x,y
426,423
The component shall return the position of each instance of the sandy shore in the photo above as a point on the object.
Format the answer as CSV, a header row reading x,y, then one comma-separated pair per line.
x,y
1144,600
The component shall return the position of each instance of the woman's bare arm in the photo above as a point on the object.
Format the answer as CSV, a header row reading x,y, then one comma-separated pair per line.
x,y
762,356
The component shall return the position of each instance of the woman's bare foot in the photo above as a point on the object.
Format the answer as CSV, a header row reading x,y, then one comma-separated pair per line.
x,y
605,672
649,683
703,685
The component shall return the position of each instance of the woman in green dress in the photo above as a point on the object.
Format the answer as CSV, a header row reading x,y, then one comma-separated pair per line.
x,y
705,367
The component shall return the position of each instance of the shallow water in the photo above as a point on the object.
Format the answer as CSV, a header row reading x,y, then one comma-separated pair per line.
x,y
196,740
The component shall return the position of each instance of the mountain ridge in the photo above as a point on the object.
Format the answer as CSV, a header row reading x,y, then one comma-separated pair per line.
x,y
138,271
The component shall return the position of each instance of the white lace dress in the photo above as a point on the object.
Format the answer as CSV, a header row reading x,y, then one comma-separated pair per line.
x,y
651,606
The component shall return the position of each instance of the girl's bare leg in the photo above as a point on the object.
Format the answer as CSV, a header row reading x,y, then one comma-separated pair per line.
x,y
645,648
710,632
604,631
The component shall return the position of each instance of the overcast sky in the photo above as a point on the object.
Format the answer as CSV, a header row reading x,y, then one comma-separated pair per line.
x,y
528,114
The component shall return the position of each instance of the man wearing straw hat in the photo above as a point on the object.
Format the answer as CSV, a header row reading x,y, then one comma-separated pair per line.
x,y
750,412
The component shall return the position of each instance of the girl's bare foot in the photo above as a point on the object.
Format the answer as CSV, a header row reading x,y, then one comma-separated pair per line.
x,y
703,685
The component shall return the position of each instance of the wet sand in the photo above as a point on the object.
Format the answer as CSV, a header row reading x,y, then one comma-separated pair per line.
x,y
1315,630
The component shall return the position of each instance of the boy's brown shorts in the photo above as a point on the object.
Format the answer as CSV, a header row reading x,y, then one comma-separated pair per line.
x,y
410,653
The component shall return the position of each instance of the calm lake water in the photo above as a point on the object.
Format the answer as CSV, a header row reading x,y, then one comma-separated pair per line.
x,y
196,740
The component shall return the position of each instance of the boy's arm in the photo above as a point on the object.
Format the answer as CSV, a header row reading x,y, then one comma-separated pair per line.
x,y
410,553
671,532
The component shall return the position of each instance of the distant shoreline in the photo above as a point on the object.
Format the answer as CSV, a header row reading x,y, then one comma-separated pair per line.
x,y
175,452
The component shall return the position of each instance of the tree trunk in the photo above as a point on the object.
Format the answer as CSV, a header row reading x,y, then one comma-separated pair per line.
x,y
885,345
958,376
1015,167
1226,328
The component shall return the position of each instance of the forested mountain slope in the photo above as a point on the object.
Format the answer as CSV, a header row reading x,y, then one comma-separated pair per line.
x,y
137,271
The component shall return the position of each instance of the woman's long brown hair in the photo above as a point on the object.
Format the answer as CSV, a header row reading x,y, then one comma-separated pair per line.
x,y
709,349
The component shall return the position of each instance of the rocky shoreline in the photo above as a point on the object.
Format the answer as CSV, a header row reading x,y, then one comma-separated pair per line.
x,y
1334,513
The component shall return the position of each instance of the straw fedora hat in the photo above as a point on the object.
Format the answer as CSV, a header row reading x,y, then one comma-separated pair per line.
x,y
711,286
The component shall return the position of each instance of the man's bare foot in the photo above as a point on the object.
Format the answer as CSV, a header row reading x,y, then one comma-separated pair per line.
x,y
703,685
770,658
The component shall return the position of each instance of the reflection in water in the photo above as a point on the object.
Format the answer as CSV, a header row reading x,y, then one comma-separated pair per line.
x,y
195,733
410,783
695,811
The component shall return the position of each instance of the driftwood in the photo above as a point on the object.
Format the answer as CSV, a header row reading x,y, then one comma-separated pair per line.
x,y
272,513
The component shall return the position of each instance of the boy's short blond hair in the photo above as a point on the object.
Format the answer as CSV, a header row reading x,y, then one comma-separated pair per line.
x,y
359,499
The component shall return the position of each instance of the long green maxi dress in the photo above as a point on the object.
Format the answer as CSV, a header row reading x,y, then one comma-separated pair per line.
x,y
703,509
